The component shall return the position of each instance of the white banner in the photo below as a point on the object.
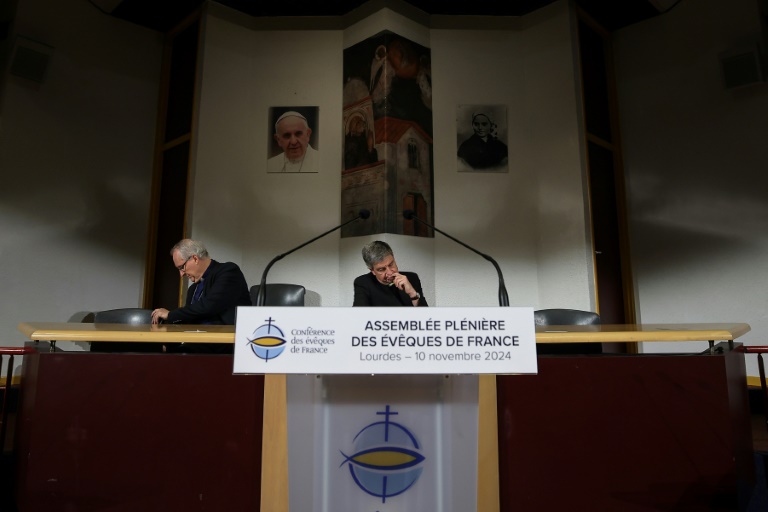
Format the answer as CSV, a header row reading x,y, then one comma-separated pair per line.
x,y
386,443
288,340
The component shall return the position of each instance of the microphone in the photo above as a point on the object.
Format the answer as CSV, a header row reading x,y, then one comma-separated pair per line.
x,y
261,297
503,297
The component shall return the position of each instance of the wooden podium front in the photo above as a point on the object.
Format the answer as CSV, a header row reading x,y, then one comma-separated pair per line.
x,y
128,432
627,432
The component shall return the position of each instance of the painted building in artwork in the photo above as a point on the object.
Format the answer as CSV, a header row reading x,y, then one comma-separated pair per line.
x,y
387,122
399,179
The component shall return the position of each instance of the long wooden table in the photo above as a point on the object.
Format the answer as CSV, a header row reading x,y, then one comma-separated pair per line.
x,y
629,333
274,447
172,333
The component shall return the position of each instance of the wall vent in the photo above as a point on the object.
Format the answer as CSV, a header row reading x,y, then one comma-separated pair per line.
x,y
742,67
30,59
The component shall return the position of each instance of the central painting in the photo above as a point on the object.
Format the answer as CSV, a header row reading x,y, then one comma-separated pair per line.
x,y
387,164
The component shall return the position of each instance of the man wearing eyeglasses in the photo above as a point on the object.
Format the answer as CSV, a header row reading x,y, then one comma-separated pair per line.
x,y
385,285
217,288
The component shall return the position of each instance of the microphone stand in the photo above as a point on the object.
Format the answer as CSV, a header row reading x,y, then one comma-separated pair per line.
x,y
261,297
503,296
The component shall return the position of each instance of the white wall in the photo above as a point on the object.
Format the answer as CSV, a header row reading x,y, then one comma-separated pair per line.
x,y
76,162
531,220
243,213
695,157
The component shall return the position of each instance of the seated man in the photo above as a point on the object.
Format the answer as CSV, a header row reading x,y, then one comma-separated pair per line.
x,y
217,289
385,285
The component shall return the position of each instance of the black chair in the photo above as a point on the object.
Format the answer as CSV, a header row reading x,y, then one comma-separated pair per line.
x,y
566,317
280,294
130,316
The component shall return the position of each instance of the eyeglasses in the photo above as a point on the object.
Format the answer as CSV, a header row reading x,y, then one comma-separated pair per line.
x,y
183,266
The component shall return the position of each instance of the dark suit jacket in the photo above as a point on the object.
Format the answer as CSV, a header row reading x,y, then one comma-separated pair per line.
x,y
480,154
370,292
224,288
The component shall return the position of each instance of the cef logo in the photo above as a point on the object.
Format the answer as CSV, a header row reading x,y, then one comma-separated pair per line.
x,y
386,461
267,341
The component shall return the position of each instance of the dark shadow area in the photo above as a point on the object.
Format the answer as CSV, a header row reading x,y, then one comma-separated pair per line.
x,y
7,453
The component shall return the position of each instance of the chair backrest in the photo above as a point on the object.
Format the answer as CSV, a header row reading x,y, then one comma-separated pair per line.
x,y
133,316
565,317
280,294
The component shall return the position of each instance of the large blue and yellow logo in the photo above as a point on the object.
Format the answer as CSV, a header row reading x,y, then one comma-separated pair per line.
x,y
267,341
387,460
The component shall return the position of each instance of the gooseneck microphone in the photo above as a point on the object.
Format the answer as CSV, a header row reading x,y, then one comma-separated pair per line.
x,y
503,297
261,297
